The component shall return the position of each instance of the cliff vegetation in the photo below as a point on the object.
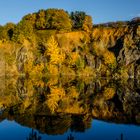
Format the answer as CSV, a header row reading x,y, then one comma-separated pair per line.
x,y
55,42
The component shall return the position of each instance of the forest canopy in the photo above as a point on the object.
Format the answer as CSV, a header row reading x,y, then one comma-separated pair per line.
x,y
50,19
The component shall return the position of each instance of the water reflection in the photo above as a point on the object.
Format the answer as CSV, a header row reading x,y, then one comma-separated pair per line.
x,y
70,137
33,136
55,105
121,137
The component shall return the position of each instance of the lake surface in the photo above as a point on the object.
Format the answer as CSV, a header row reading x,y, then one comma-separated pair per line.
x,y
69,108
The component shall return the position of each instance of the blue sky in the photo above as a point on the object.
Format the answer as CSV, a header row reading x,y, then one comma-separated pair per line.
x,y
101,10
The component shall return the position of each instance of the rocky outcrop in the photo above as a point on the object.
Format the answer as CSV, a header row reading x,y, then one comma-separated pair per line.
x,y
108,50
124,42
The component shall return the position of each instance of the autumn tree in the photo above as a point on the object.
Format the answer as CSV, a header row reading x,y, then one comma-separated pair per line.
x,y
6,31
109,59
87,24
41,20
31,18
54,55
23,30
108,93
1,32
49,19
58,19
56,94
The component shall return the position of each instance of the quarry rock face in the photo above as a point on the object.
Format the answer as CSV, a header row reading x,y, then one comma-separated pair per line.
x,y
124,42
107,50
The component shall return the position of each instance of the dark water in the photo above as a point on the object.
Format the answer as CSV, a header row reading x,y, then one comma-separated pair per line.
x,y
69,108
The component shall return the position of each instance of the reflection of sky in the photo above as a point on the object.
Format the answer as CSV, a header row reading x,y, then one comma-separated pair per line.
x,y
9,130
109,131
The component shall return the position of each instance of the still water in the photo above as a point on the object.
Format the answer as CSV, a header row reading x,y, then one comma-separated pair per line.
x,y
69,108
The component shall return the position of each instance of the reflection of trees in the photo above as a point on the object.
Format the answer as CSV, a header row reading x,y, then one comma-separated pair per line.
x,y
54,105
80,123
121,137
33,136
117,101
21,88
55,124
70,137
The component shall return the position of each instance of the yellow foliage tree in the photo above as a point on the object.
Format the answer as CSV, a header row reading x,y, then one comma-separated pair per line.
x,y
37,70
73,58
53,98
109,93
54,54
87,24
52,69
109,59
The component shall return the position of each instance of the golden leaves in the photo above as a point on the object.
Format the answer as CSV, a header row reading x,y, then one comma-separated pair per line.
x,y
109,93
109,59
55,95
73,58
54,52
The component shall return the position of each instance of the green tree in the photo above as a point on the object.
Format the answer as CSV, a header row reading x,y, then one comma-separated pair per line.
x,y
78,18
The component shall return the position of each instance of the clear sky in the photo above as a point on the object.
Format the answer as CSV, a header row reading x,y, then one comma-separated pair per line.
x,y
101,10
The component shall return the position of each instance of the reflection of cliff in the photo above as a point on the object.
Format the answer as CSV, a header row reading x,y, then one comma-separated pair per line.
x,y
120,104
33,136
50,124
55,105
